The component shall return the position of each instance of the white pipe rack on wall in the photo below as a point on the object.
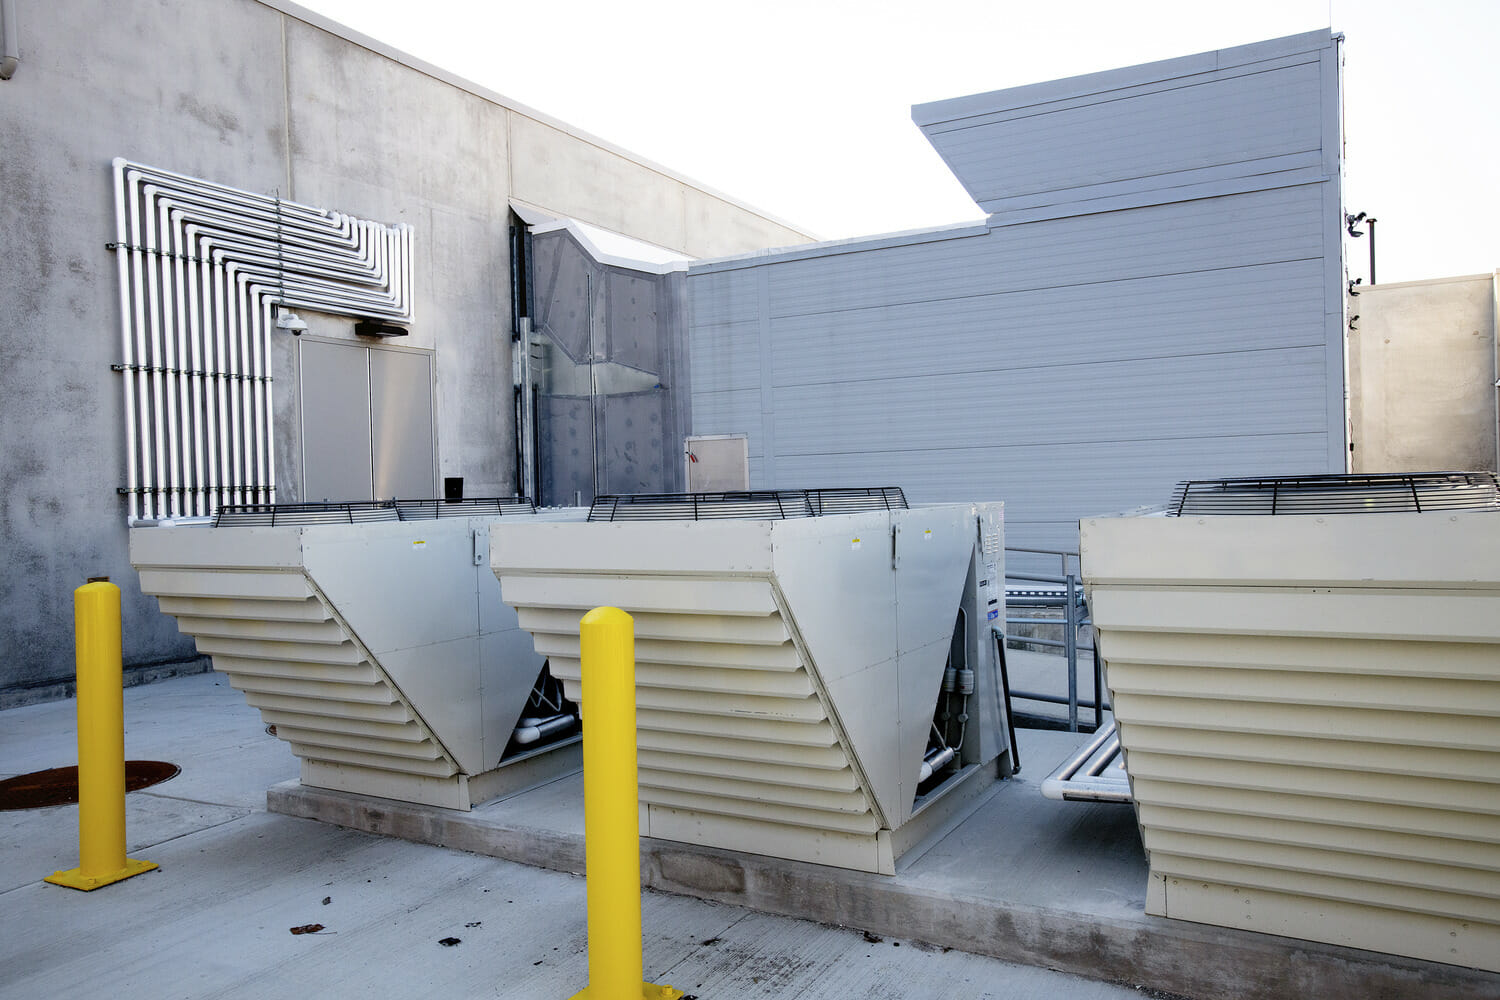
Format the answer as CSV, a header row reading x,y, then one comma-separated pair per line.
x,y
203,269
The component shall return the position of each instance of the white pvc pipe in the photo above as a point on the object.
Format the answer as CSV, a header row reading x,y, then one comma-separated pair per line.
x,y
145,239
190,271
933,763
200,422
534,730
133,500
164,324
10,55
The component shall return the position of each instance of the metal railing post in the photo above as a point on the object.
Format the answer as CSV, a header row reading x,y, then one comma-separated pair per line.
x,y
1070,648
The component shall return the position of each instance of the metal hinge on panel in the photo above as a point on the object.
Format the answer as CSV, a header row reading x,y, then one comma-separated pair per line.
x,y
481,546
895,555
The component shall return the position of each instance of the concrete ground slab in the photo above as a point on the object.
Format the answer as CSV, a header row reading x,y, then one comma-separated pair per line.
x,y
1022,878
215,919
1051,885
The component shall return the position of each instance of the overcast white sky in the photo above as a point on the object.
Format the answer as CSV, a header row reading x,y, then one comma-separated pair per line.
x,y
802,107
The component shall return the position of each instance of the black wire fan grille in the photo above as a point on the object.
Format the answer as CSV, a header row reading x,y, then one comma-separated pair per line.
x,y
749,505
1351,494
265,515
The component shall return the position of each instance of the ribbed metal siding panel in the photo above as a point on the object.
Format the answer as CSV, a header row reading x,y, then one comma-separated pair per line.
x,y
1072,397
1118,136
1258,307
1310,713
1239,113
1065,401
1077,359
1233,231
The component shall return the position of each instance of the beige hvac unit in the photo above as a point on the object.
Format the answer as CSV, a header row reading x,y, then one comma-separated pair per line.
x,y
372,637
816,675
1305,673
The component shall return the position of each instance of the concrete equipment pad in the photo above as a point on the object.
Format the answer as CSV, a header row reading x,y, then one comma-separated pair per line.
x,y
1021,878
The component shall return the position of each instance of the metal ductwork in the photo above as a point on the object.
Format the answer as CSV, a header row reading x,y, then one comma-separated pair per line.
x,y
812,683
203,269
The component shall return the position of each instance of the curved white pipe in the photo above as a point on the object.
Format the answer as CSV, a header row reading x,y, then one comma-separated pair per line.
x,y
127,345
534,730
201,267
10,55
933,763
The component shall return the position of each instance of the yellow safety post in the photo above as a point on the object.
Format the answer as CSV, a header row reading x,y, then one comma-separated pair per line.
x,y
611,820
101,743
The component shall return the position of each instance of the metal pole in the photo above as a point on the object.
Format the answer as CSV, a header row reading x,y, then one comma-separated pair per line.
x,y
101,744
611,818
1372,250
1070,647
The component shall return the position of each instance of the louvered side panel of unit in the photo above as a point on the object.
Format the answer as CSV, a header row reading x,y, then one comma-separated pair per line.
x,y
729,721
1320,762
281,644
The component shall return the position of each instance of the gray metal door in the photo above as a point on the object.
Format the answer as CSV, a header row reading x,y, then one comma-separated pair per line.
x,y
335,387
367,430
401,445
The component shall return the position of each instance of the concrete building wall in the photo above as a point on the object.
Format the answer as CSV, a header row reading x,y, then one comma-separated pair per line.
x,y
268,98
1422,370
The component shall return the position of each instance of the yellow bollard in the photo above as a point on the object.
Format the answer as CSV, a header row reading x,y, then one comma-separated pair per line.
x,y
611,820
101,743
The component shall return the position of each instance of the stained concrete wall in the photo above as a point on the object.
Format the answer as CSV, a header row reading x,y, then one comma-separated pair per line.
x,y
1422,369
269,98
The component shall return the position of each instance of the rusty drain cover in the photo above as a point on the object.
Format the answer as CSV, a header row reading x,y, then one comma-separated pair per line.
x,y
58,786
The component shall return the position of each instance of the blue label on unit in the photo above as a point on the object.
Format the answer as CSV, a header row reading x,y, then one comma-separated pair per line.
x,y
994,613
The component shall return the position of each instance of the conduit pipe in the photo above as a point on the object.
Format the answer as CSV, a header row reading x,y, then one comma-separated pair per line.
x,y
203,268
530,730
10,51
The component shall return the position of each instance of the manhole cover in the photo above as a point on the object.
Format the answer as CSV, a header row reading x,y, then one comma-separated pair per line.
x,y
58,786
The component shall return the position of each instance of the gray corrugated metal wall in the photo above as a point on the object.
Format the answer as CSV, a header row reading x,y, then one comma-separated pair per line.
x,y
1091,344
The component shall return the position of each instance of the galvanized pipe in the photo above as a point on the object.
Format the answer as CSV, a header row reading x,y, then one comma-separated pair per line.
x,y
1070,649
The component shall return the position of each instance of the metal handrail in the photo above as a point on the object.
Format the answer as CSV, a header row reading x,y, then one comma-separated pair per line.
x,y
1075,615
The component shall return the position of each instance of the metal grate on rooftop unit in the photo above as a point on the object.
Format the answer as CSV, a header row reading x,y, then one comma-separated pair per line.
x,y
264,515
1348,494
746,505
421,510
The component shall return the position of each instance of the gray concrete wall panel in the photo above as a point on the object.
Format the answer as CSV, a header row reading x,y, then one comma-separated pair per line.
x,y
372,138
1422,391
558,172
272,101
97,84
